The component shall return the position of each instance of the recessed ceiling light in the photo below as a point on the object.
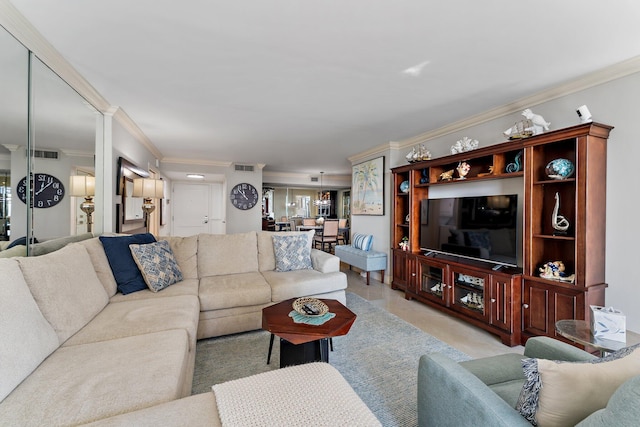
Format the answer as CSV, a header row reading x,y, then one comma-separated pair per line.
x,y
195,176
416,70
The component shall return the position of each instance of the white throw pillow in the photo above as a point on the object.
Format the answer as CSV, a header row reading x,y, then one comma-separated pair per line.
x,y
564,393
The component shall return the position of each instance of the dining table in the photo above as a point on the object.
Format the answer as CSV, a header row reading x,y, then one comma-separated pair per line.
x,y
342,230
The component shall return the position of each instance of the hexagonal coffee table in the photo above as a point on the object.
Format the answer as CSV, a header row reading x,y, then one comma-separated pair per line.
x,y
302,343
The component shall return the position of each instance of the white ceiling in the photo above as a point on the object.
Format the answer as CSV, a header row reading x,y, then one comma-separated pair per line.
x,y
301,85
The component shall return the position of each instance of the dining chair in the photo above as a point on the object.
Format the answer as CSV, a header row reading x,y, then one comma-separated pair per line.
x,y
329,235
285,224
343,232
309,221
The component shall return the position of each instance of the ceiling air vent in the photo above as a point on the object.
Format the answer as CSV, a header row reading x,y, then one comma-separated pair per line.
x,y
45,154
314,179
244,168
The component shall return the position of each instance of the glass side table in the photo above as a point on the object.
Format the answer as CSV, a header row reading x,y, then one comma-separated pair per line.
x,y
579,331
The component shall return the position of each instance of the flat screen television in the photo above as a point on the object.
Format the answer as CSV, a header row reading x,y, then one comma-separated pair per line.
x,y
484,228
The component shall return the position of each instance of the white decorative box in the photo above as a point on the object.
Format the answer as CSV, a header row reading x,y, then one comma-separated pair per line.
x,y
608,323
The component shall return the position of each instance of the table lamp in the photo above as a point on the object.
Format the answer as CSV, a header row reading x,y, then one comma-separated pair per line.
x,y
84,186
148,189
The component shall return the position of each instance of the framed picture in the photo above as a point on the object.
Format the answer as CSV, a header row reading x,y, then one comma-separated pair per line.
x,y
367,188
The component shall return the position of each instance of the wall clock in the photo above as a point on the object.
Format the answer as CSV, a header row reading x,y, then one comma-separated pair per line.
x,y
244,196
47,190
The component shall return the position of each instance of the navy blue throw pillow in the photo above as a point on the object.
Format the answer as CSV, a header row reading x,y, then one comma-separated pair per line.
x,y
124,268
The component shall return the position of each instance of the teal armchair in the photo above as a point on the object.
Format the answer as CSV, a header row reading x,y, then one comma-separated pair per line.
x,y
485,391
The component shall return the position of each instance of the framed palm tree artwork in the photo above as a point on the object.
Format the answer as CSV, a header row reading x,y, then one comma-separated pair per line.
x,y
367,188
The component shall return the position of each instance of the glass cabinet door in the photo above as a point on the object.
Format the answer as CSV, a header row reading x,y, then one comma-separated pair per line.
x,y
469,293
432,281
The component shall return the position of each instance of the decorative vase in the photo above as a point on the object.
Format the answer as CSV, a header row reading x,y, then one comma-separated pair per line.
x,y
560,169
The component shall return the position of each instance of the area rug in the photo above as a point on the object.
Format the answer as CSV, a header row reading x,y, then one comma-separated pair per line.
x,y
379,358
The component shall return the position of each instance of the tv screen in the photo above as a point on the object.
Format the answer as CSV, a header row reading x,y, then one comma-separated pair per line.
x,y
483,228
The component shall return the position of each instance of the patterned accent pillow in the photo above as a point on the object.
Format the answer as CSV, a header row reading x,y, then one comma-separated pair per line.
x,y
362,241
157,264
292,252
558,393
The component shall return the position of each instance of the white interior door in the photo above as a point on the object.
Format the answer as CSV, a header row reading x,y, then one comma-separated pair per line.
x,y
197,208
217,222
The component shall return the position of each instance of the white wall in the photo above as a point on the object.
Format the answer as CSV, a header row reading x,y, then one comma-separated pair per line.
x,y
378,226
611,103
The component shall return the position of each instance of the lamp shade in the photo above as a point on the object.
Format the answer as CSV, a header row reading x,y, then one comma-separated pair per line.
x,y
82,186
148,188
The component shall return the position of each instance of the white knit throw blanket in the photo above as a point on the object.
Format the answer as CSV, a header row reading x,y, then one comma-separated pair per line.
x,y
311,394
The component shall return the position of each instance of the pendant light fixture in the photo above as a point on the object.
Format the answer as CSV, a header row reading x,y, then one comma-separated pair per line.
x,y
321,200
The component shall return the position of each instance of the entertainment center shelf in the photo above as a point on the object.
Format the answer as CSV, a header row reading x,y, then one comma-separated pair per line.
x,y
513,303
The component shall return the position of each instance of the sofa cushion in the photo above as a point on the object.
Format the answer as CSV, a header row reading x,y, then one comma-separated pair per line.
x,y
301,283
362,241
266,254
233,290
101,264
564,393
16,251
26,338
157,264
292,253
83,383
52,245
185,249
124,268
199,410
221,254
66,288
137,317
185,287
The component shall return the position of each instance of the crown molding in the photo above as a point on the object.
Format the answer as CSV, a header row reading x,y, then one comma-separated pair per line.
x,y
381,149
11,147
16,24
123,118
587,81
196,162
77,153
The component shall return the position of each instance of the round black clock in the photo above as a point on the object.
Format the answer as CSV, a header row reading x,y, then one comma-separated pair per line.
x,y
244,196
47,190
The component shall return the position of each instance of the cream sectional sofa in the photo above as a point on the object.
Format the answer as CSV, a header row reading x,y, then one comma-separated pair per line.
x,y
73,350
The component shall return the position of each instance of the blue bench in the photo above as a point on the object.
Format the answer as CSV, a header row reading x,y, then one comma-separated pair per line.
x,y
365,260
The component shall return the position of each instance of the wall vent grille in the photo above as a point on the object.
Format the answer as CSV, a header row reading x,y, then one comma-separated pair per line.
x,y
45,154
314,179
244,168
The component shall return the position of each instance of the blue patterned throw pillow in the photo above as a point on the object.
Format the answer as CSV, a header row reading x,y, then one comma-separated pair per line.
x,y
157,264
292,252
362,241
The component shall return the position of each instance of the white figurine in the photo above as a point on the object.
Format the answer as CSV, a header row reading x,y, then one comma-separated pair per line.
x,y
465,144
539,124
410,155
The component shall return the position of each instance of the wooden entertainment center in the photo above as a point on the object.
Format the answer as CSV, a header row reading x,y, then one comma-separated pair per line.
x,y
513,303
